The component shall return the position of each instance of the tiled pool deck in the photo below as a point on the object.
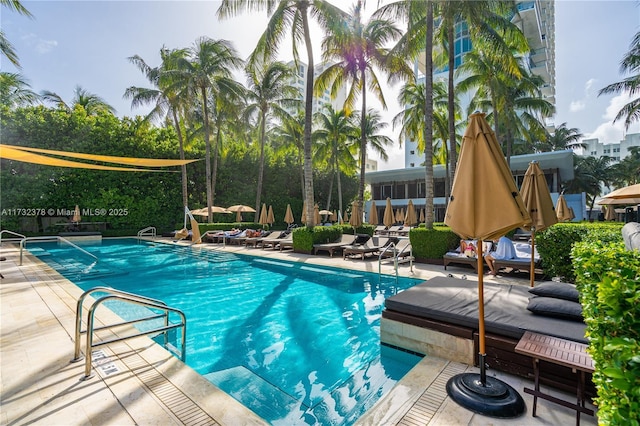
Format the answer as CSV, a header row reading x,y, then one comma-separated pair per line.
x,y
139,383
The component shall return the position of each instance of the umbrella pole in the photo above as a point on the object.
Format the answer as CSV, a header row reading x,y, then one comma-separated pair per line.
x,y
481,353
533,249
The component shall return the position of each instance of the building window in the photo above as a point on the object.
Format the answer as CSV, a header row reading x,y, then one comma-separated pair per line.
x,y
412,164
607,151
386,192
616,149
412,152
399,191
412,190
594,152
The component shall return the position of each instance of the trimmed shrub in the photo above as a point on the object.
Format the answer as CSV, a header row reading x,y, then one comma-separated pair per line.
x,y
304,238
608,278
432,244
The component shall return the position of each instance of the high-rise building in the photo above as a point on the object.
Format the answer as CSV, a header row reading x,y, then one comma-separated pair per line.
x,y
536,19
299,81
617,150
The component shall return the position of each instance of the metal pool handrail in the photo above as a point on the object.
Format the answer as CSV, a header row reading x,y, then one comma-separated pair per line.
x,y
149,231
135,299
23,242
22,237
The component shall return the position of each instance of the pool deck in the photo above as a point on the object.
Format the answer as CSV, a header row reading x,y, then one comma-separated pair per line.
x,y
139,383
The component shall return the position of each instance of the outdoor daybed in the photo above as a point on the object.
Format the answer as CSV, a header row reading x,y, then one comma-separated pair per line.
x,y
521,263
440,317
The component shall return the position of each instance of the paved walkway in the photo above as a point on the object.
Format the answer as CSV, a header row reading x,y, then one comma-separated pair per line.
x,y
139,383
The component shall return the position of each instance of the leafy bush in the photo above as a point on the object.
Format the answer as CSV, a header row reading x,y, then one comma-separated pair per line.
x,y
554,244
432,243
304,238
608,277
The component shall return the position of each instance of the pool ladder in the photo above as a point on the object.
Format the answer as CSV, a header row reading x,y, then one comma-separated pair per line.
x,y
113,294
396,253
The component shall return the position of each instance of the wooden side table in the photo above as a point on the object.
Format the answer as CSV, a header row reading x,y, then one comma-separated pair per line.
x,y
562,352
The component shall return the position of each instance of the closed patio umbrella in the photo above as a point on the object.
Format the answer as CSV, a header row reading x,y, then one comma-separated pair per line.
x,y
76,215
373,214
270,217
264,218
345,219
356,216
316,214
562,209
303,216
421,215
334,216
537,199
410,217
610,213
484,204
288,215
388,218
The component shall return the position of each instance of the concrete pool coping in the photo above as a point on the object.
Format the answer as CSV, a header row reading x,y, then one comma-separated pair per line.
x,y
139,382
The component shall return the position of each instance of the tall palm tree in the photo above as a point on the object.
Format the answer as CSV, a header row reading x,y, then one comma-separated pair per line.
x,y
15,91
372,128
357,49
590,173
630,64
92,103
268,94
5,46
165,100
332,140
290,134
294,15
562,138
207,71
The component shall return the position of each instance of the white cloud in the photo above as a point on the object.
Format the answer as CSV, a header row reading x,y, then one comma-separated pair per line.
x,y
576,106
41,46
581,104
608,131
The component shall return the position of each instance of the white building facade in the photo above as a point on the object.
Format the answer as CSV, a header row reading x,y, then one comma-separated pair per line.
x,y
617,150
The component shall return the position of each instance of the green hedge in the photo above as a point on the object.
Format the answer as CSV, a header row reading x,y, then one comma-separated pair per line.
x,y
432,244
555,243
608,278
304,238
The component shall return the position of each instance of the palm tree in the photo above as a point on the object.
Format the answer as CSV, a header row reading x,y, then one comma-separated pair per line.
x,y
372,127
627,171
630,64
166,101
589,174
332,138
562,138
292,14
15,91
92,104
207,72
5,46
290,133
268,93
356,48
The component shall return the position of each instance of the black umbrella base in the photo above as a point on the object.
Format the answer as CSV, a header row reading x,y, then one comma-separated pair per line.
x,y
494,399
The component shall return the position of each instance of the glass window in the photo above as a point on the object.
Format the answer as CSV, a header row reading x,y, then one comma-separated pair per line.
x,y
412,188
422,191
399,191
386,192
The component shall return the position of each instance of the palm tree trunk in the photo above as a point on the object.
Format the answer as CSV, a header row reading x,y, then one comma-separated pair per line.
x,y
428,120
363,140
330,189
339,191
207,143
308,105
216,148
453,151
185,195
260,166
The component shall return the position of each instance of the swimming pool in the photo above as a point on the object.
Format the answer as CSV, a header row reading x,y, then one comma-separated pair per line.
x,y
296,343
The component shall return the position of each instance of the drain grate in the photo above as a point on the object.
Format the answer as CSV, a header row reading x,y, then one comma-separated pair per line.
x,y
422,412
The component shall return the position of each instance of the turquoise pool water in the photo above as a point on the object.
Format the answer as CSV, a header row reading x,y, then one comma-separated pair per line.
x,y
296,343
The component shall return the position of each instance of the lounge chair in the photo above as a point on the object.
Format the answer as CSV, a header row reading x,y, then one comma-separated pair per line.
x,y
371,246
285,243
394,230
403,250
254,241
380,230
273,242
345,240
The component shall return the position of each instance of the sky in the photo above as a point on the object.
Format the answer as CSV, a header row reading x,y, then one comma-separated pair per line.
x,y
87,43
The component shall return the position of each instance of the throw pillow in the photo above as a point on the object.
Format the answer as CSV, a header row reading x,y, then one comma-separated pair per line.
x,y
556,308
556,290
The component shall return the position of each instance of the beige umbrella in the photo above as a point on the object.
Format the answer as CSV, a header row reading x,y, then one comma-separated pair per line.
x,y
410,216
334,216
76,215
631,191
316,214
373,214
326,213
239,209
204,211
356,216
270,217
571,214
421,215
618,201
398,216
345,219
562,210
388,217
536,196
288,215
484,204
610,213
264,216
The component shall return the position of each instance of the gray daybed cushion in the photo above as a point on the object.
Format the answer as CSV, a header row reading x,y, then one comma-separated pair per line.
x,y
557,308
455,301
556,290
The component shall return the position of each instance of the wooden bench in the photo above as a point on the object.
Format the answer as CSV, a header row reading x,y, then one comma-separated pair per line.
x,y
562,352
